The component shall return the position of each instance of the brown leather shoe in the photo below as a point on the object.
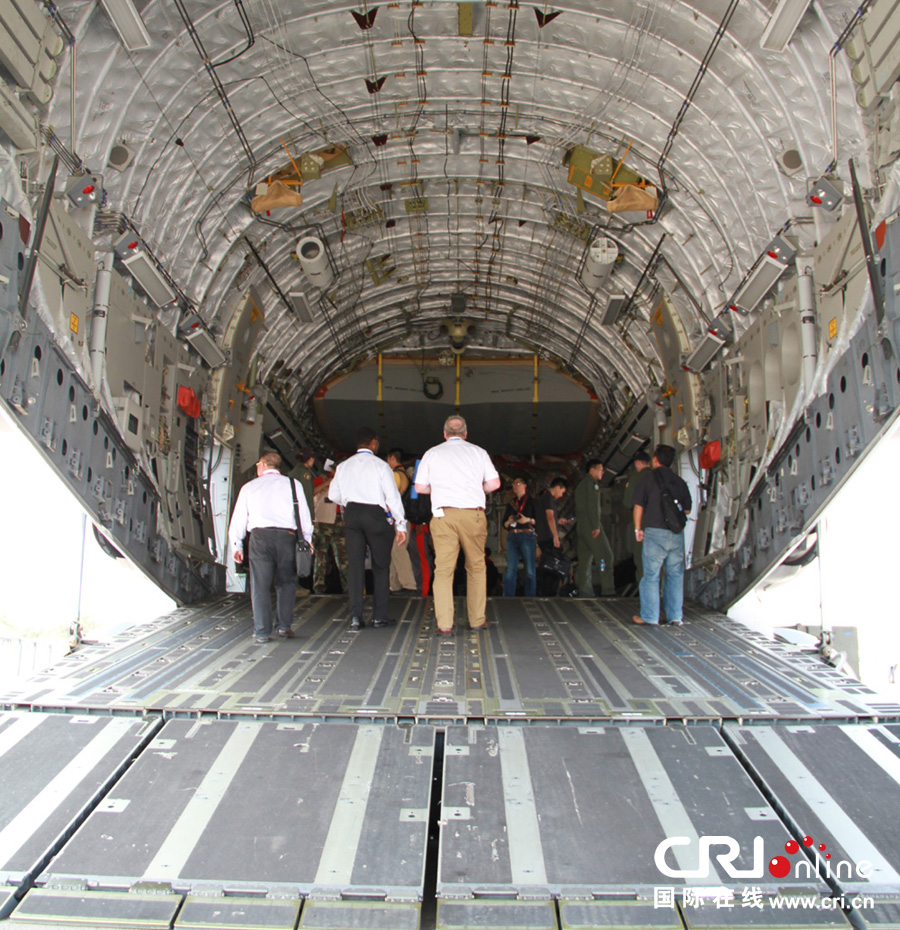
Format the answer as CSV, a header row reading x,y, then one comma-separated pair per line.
x,y
286,634
443,632
638,620
483,626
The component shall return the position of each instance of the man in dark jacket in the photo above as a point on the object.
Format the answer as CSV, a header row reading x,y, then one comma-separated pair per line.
x,y
661,546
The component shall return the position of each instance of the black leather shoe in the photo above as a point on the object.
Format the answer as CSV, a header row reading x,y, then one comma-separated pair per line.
x,y
378,624
356,624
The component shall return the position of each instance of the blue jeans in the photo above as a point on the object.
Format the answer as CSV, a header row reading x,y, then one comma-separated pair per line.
x,y
519,546
662,547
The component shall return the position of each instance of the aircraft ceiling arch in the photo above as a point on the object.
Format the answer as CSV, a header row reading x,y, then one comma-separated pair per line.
x,y
455,177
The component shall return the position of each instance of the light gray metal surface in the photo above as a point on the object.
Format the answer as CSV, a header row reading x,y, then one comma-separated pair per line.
x,y
279,808
555,659
839,786
54,768
223,821
568,812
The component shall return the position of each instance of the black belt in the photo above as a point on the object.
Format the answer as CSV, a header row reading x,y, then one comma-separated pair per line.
x,y
283,529
529,532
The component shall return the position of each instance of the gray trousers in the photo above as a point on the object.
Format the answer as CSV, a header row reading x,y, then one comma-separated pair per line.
x,y
272,560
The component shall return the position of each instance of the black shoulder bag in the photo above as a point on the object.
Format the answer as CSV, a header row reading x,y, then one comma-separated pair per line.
x,y
304,550
673,516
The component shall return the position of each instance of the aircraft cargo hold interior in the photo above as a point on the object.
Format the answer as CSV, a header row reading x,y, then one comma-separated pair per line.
x,y
235,228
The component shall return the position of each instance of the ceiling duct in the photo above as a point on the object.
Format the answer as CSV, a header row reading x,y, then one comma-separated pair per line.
x,y
313,259
120,156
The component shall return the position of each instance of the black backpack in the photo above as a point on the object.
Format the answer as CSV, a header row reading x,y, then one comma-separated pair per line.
x,y
417,509
673,515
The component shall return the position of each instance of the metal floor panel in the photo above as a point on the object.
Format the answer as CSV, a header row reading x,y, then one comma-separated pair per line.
x,y
294,784
69,761
560,659
840,786
263,807
580,812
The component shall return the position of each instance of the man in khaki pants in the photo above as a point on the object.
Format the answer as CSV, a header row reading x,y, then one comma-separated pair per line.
x,y
457,475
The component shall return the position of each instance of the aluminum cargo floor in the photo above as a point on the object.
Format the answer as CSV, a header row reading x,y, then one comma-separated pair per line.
x,y
553,659
563,769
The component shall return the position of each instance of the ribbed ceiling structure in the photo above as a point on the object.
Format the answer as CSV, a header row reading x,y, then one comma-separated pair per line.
x,y
453,124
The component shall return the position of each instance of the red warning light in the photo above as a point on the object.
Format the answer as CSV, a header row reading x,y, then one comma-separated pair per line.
x,y
89,189
815,199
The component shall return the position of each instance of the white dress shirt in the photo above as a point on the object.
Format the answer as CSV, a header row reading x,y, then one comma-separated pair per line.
x,y
456,471
266,502
366,479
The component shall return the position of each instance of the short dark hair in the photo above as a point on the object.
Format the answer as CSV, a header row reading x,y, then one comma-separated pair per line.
x,y
643,457
665,455
364,436
396,452
592,463
559,482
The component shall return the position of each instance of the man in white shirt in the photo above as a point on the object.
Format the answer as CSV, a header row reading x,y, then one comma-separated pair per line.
x,y
457,474
265,507
365,489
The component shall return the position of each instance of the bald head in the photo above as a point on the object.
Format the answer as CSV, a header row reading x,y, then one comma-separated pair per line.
x,y
455,426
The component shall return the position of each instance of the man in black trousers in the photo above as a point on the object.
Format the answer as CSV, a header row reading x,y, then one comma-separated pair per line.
x,y
365,488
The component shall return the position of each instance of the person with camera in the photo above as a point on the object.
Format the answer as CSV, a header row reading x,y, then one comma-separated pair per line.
x,y
520,519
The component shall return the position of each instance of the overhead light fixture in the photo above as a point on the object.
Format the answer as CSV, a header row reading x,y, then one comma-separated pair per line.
x,y
614,308
301,306
706,351
783,24
135,257
128,24
632,444
762,278
206,348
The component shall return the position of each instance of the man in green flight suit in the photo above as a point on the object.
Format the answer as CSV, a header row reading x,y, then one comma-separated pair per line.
x,y
592,541
641,462
303,472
